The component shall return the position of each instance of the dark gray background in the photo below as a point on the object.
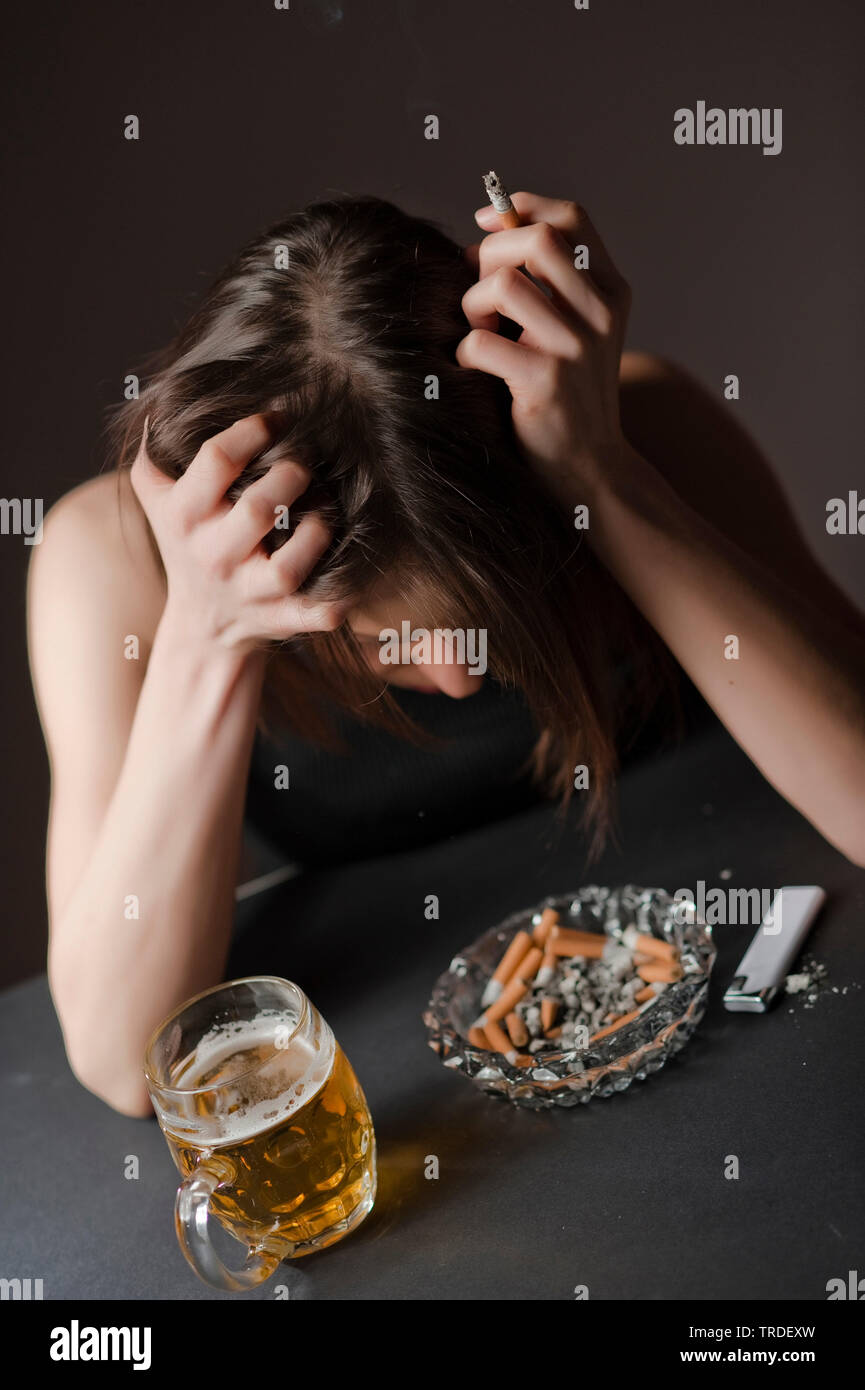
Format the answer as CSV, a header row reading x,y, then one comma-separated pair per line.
x,y
740,262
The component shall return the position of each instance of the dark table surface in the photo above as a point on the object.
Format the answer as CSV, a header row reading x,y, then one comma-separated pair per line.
x,y
626,1195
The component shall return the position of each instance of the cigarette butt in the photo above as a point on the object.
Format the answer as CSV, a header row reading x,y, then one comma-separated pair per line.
x,y
517,1030
649,945
642,958
528,966
510,995
549,919
554,1033
478,1038
665,970
491,992
662,950
512,957
499,1040
549,1010
645,993
563,942
612,1027
516,987
525,1059
547,968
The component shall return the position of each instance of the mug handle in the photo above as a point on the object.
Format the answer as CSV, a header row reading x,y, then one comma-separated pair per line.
x,y
191,1213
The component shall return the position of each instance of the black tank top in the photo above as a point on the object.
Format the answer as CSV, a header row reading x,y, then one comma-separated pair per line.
x,y
386,794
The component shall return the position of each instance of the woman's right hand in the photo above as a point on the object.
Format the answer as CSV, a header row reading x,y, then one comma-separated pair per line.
x,y
221,582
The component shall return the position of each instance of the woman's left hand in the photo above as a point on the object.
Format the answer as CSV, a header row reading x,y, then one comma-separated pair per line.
x,y
563,371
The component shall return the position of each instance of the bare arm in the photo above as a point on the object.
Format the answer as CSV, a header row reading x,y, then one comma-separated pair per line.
x,y
790,689
793,695
149,757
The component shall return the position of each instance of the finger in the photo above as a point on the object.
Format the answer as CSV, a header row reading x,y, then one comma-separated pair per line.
x,y
258,509
546,254
218,463
295,613
489,352
321,617
286,569
148,481
573,222
471,254
509,292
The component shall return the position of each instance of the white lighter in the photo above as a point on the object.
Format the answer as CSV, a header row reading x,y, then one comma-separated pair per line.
x,y
780,935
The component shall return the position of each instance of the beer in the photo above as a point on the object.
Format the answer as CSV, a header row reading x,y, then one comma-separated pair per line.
x,y
266,1123
286,1126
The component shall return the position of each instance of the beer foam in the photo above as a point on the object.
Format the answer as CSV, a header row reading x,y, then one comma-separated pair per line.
x,y
281,1079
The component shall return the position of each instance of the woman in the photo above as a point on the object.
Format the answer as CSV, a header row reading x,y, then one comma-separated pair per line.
x,y
455,445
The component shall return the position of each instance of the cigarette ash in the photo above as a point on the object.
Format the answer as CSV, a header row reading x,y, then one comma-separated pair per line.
x,y
564,958
811,981
589,994
559,988
496,192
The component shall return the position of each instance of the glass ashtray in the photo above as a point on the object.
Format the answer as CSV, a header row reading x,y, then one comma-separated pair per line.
x,y
568,1075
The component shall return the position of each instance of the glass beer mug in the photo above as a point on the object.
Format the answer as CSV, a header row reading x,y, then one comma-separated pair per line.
x,y
266,1122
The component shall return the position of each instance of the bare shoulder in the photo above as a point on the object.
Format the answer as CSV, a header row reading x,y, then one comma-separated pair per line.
x,y
96,544
647,380
701,445
101,510
639,367
94,582
694,438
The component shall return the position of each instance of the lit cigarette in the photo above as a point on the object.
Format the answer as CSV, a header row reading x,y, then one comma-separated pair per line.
x,y
612,1027
650,945
549,919
549,1010
506,966
517,1030
665,970
501,200
564,942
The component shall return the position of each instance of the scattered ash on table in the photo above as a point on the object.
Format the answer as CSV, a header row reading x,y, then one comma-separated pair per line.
x,y
811,981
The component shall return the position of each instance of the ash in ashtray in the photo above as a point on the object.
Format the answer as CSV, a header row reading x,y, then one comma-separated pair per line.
x,y
585,995
556,987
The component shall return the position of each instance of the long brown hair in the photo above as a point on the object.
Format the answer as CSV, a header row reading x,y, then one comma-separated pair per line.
x,y
341,323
